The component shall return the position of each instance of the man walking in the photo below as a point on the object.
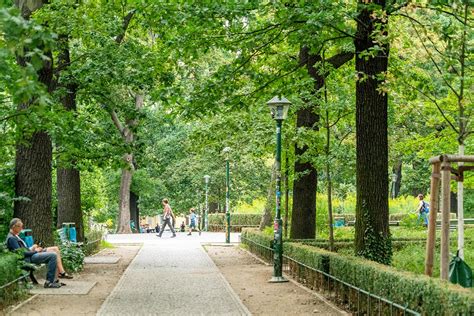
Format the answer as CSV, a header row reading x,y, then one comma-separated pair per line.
x,y
167,218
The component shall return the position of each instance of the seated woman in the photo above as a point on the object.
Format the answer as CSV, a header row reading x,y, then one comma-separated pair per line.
x,y
36,254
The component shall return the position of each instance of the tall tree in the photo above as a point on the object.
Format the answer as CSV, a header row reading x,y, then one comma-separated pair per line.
x,y
33,181
303,218
372,235
68,177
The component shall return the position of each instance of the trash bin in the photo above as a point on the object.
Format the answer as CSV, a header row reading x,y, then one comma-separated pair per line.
x,y
27,236
70,231
339,222
459,272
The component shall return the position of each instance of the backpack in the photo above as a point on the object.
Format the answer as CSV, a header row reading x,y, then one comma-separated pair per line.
x,y
425,208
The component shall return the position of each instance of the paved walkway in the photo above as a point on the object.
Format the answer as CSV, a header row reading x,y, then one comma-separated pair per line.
x,y
172,276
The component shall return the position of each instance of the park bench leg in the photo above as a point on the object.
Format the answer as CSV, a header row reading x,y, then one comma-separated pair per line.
x,y
33,278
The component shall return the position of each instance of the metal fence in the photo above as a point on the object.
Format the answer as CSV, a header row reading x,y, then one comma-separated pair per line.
x,y
347,296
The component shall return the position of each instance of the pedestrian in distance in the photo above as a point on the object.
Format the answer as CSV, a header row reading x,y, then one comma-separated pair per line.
x,y
193,221
423,210
168,217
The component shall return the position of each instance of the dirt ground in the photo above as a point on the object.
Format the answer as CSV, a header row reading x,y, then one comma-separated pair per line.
x,y
249,279
106,275
246,275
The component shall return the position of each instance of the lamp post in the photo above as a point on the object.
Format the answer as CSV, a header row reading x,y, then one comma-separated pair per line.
x,y
279,110
226,152
206,210
394,183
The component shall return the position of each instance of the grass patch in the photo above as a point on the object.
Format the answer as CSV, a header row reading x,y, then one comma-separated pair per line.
x,y
106,245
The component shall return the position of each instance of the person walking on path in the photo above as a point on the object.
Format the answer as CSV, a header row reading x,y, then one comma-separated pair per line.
x,y
192,222
167,218
423,210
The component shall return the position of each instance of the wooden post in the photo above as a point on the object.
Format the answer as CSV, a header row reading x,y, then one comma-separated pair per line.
x,y
445,212
434,207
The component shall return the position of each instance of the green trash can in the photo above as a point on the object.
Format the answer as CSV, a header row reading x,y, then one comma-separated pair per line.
x,y
70,231
459,272
27,236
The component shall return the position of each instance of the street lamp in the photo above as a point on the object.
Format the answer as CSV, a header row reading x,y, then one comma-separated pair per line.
x,y
226,152
206,211
279,110
394,182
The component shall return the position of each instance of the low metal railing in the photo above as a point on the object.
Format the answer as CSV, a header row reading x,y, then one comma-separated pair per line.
x,y
347,296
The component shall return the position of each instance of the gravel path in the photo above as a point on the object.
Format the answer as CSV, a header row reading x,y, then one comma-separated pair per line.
x,y
172,276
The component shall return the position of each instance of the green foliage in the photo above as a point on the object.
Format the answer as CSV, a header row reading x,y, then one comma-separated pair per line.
x,y
106,245
93,241
263,238
10,265
412,221
235,219
429,296
72,256
10,270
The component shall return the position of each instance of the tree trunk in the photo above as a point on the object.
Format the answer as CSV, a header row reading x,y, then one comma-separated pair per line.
x,y
372,230
267,218
127,172
303,217
124,197
33,182
33,159
68,179
134,212
69,199
287,191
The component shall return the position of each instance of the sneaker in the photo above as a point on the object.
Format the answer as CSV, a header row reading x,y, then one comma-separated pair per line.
x,y
189,234
61,283
51,285
173,236
64,275
158,236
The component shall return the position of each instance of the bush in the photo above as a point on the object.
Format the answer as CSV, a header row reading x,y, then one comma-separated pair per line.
x,y
429,296
10,270
92,242
72,256
235,219
257,236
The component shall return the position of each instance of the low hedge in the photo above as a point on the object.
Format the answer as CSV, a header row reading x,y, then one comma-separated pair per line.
x,y
233,228
257,236
235,219
429,296
397,243
9,271
391,217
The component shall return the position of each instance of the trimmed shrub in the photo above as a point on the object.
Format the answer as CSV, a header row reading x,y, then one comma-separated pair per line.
x,y
429,296
235,219
92,242
257,236
9,271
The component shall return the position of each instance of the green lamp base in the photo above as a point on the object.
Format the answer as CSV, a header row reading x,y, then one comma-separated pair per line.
x,y
277,279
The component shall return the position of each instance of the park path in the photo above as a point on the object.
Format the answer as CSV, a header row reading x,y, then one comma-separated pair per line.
x,y
172,276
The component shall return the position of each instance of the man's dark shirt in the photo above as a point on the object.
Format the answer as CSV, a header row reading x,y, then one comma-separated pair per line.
x,y
14,243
